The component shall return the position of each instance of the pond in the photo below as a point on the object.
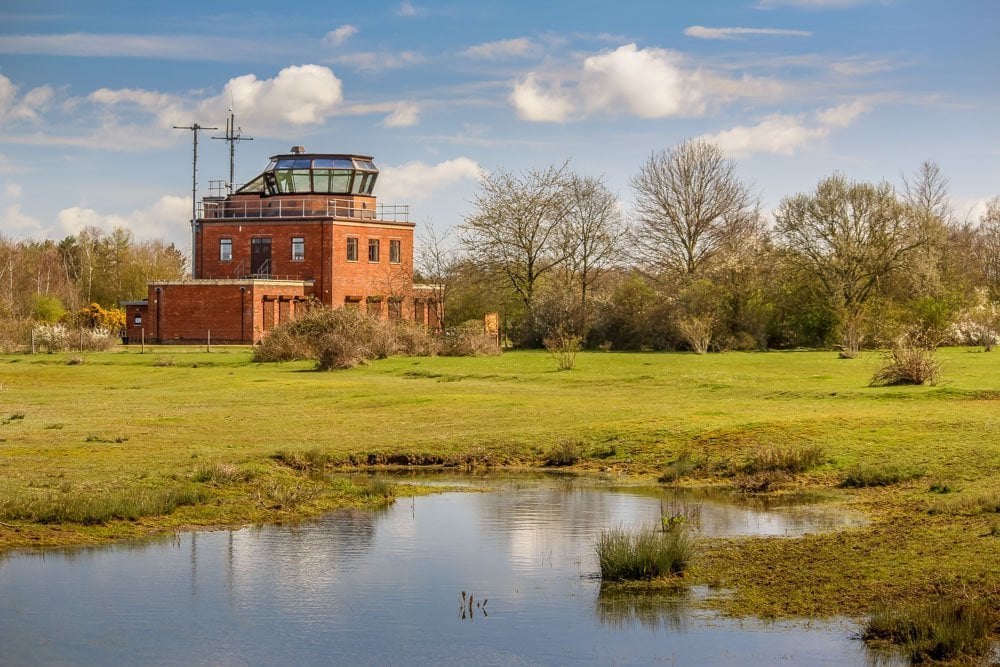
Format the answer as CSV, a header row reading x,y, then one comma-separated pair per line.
x,y
495,577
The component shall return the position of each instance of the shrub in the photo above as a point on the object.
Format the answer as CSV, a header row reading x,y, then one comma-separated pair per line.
x,y
563,453
865,475
938,631
58,337
907,363
680,467
378,489
644,554
469,340
563,347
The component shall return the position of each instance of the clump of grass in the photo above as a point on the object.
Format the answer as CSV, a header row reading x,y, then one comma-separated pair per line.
x,y
563,453
680,467
943,630
283,493
163,361
760,482
75,360
225,473
866,475
970,505
906,363
100,438
790,460
626,555
54,427
376,488
306,460
942,486
98,508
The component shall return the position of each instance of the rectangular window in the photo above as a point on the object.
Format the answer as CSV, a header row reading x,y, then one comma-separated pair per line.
x,y
374,306
395,309
418,311
298,249
352,249
225,250
372,250
352,302
395,251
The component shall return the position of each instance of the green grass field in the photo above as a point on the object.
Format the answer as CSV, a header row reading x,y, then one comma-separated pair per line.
x,y
175,417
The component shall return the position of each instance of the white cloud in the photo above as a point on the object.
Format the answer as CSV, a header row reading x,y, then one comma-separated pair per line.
x,y
171,47
24,107
407,8
415,181
12,190
539,102
784,134
167,218
298,95
340,35
18,225
843,115
701,32
372,61
406,114
520,47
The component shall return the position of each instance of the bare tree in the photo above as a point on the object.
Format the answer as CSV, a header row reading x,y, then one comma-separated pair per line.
x,y
988,246
690,204
436,264
515,229
850,236
927,191
593,236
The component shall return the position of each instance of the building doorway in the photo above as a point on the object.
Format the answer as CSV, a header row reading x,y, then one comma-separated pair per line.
x,y
260,256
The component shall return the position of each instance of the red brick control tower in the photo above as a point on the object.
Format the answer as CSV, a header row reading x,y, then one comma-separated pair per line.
x,y
308,227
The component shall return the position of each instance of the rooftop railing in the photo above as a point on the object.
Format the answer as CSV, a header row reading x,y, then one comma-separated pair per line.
x,y
311,207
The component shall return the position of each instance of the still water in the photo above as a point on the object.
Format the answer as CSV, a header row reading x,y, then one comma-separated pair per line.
x,y
386,588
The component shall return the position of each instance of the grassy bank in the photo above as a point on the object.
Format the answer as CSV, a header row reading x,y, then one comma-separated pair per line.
x,y
230,439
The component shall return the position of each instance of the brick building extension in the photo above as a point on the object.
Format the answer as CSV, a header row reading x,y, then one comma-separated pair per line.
x,y
307,228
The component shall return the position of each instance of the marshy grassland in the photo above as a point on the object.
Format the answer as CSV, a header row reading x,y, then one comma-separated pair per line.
x,y
127,444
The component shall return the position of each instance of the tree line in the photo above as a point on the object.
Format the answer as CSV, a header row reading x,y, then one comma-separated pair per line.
x,y
697,265
46,281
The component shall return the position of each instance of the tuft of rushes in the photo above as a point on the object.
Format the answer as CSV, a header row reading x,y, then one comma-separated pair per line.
x,y
636,555
942,630
92,509
866,475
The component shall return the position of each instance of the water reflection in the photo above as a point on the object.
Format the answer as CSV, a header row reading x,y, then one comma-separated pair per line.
x,y
391,588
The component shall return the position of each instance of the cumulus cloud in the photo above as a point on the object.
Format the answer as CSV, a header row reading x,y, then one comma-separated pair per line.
x,y
340,35
406,114
298,95
784,134
520,47
541,102
701,32
415,181
167,218
14,223
647,83
15,107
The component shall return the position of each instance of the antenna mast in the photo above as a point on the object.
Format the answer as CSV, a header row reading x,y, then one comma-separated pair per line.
x,y
194,127
233,135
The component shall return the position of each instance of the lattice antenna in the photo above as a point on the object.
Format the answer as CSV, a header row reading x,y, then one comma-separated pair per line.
x,y
233,135
194,127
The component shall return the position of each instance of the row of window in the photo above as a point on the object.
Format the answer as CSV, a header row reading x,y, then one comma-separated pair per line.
x,y
299,249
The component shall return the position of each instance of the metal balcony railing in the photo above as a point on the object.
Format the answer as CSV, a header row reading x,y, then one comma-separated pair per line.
x,y
212,208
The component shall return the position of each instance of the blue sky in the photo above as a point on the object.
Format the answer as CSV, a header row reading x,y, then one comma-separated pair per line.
x,y
441,92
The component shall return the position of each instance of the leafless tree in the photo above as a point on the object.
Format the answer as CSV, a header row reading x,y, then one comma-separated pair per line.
x,y
593,236
988,246
690,203
436,264
515,228
850,236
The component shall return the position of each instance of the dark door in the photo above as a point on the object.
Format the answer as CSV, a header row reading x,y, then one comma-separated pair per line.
x,y
260,257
